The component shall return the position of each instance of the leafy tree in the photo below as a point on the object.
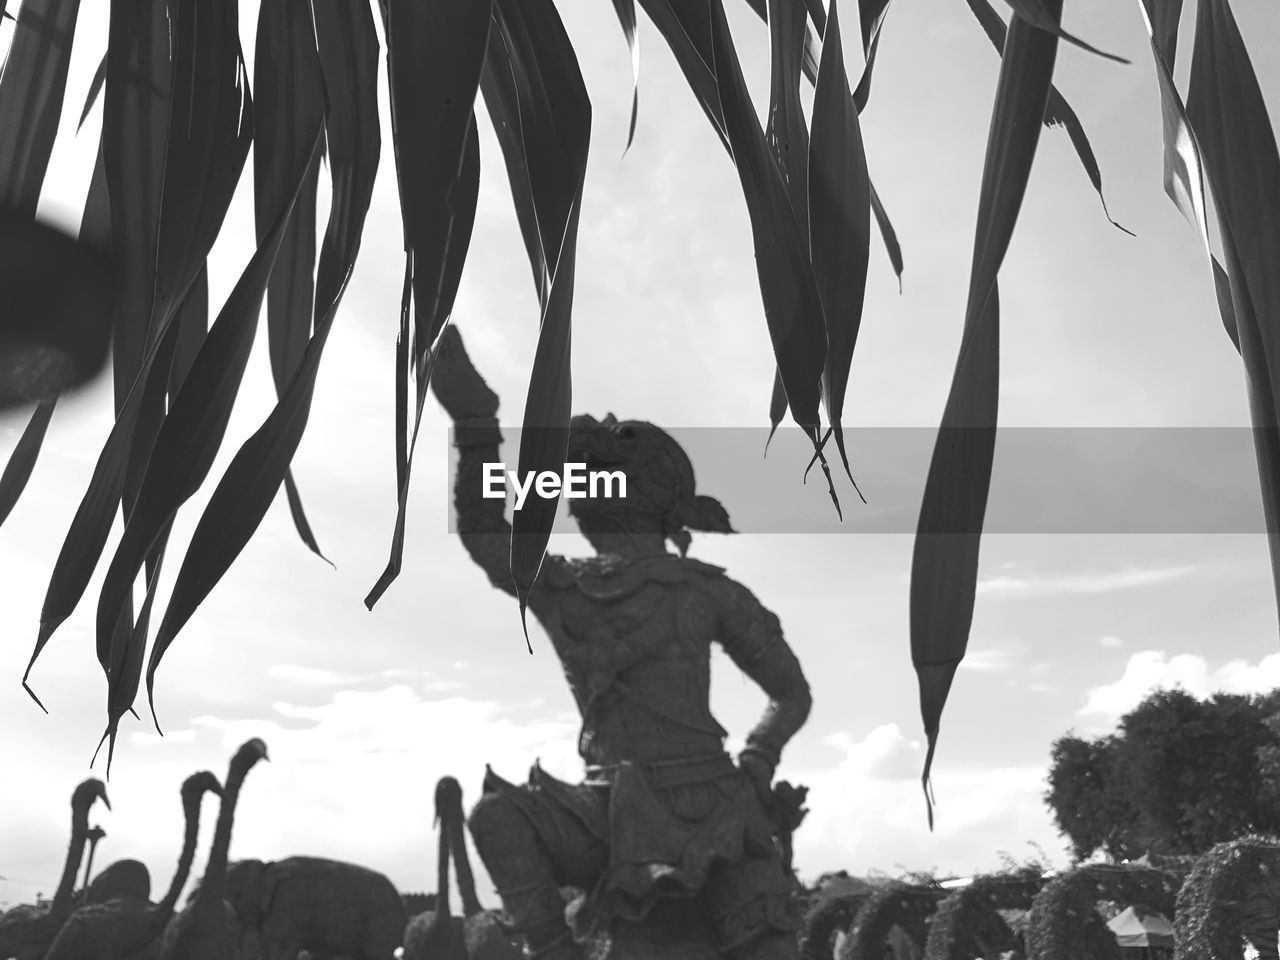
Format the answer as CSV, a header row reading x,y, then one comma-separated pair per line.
x,y
178,125
1087,808
1179,776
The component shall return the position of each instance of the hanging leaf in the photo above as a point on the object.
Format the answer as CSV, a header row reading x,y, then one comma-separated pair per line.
x,y
23,459
186,447
1038,14
887,233
348,49
944,563
839,222
797,9
210,130
626,10
777,407
1058,113
538,102
435,55
192,324
793,306
873,14
683,24
1233,130
290,105
32,88
95,88
201,161
785,133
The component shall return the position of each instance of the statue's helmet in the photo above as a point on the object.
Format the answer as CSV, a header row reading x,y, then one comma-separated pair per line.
x,y
659,487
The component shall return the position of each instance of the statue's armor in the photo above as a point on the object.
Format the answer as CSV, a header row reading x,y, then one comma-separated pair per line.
x,y
634,641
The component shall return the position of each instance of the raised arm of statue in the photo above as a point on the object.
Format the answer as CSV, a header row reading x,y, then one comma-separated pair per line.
x,y
473,407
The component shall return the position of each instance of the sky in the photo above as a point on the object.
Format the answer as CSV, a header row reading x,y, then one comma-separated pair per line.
x,y
363,711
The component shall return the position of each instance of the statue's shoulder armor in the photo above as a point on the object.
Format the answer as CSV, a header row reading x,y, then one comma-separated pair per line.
x,y
608,576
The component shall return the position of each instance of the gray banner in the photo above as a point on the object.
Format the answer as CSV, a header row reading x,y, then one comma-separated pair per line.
x,y
1124,480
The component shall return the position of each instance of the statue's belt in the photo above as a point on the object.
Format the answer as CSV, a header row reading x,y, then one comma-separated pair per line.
x,y
662,774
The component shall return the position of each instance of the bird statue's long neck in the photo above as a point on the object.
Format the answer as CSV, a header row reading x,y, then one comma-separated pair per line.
x,y
75,853
455,828
442,871
191,810
215,871
88,864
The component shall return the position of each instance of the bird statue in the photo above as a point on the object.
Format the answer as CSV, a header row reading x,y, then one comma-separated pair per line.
x,y
118,929
207,928
27,930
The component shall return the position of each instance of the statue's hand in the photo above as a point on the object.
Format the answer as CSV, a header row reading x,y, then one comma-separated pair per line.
x,y
456,382
759,771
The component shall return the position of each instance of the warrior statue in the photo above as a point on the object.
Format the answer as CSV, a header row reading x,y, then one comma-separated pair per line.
x,y
664,813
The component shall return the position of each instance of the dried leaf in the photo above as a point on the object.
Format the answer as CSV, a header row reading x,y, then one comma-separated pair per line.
x,y
944,568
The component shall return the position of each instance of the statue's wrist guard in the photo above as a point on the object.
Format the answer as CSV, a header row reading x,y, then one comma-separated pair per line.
x,y
476,432
763,751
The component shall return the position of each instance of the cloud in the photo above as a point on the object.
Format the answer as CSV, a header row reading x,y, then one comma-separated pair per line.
x,y
991,659
1010,586
1152,670
1110,640
867,812
310,676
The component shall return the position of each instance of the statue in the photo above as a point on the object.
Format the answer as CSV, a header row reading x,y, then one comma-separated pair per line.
x,y
664,815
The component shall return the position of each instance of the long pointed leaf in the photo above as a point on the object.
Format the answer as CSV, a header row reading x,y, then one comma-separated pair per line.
x,y
839,221
289,105
785,132
348,58
944,563
32,89
1226,109
201,170
793,306
435,54
1058,113
23,459
190,437
95,88
532,75
626,10
1039,15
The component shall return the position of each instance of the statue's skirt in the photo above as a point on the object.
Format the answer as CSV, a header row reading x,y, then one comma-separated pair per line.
x,y
674,830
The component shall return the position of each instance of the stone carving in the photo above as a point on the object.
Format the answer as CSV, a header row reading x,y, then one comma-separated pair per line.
x,y
681,852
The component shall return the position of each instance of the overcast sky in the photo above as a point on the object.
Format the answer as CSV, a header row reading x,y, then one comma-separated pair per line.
x,y
363,711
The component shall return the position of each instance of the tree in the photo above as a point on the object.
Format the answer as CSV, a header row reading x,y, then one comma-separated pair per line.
x,y
1082,797
1179,776
178,125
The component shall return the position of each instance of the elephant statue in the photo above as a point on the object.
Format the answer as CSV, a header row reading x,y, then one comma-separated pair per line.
x,y
326,907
